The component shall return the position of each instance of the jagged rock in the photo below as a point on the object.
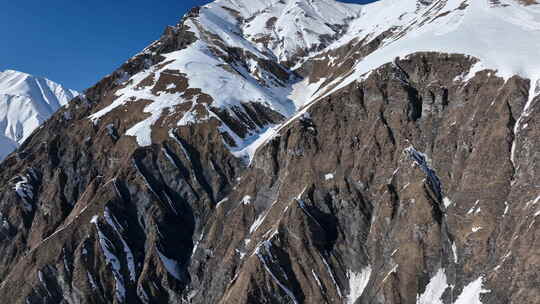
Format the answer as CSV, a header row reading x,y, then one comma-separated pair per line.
x,y
413,181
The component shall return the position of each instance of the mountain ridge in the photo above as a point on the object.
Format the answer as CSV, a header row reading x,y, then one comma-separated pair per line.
x,y
26,102
208,169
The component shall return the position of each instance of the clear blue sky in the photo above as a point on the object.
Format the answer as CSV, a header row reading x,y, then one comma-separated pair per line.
x,y
77,42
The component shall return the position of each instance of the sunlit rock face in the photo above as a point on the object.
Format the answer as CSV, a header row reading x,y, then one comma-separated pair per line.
x,y
388,155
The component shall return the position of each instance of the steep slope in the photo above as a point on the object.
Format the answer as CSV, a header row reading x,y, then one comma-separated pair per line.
x,y
25,103
228,163
293,28
473,28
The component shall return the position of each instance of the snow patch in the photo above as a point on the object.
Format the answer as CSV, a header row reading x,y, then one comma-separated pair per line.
x,y
264,253
26,102
434,290
257,223
471,293
25,191
317,279
357,283
475,31
473,208
246,200
94,219
251,144
331,273
447,202
172,266
112,260
476,229
454,251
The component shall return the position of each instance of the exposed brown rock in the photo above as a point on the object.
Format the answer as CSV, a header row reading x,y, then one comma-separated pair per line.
x,y
405,173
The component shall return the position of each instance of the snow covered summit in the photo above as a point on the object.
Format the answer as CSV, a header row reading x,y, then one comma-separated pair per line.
x,y
502,34
266,47
291,28
26,102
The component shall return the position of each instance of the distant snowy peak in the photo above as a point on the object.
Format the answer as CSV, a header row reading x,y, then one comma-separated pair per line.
x,y
38,88
26,102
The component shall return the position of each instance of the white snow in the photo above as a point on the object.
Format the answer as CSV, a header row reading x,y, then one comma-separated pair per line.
x,y
204,71
331,273
94,219
454,251
196,246
246,200
264,253
298,26
260,219
26,102
471,293
317,279
357,283
257,223
171,265
534,202
222,202
434,290
329,176
241,253
91,280
533,92
298,23
473,208
305,91
393,270
112,260
251,144
504,37
447,202
130,260
25,191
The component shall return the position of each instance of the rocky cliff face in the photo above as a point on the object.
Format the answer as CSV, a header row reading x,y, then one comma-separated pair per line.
x,y
209,169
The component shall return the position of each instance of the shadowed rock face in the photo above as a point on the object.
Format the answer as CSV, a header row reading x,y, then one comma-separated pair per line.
x,y
413,185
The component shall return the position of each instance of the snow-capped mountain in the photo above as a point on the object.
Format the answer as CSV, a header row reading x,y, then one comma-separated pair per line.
x,y
290,35
280,151
288,29
501,34
26,102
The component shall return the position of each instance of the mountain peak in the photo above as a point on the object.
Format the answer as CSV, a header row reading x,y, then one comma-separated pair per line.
x,y
25,84
26,101
8,71
289,28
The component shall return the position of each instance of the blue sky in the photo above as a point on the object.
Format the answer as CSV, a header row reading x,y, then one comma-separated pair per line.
x,y
77,42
